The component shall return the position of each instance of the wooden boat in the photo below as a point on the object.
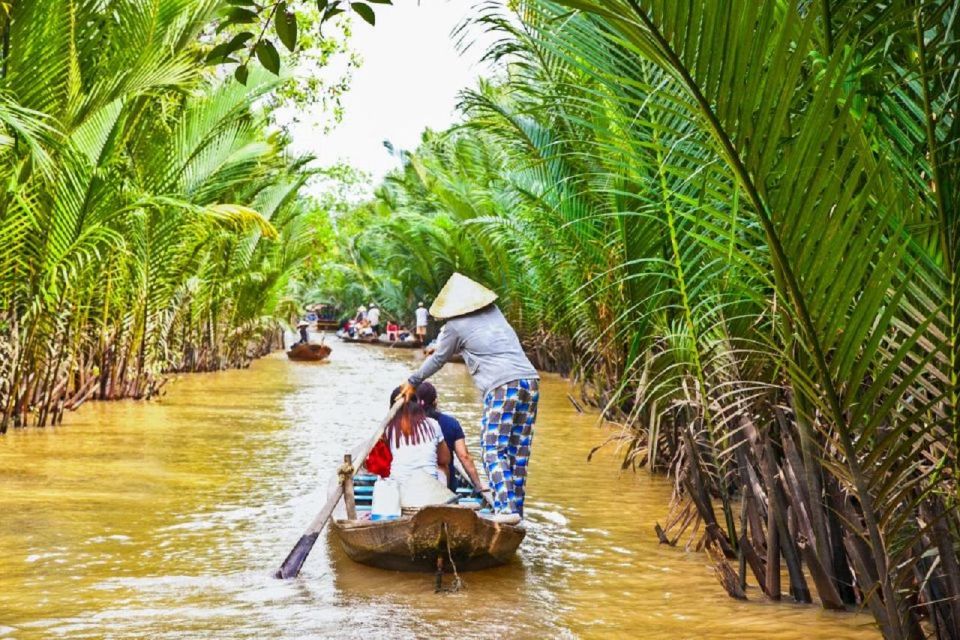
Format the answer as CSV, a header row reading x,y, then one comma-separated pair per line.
x,y
426,538
327,325
416,542
346,337
308,352
324,316
398,344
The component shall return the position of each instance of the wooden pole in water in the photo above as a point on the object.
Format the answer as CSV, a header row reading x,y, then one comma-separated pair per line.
x,y
298,555
349,500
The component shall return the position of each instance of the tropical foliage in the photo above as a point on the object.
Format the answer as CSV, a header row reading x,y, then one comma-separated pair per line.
x,y
149,221
735,223
260,30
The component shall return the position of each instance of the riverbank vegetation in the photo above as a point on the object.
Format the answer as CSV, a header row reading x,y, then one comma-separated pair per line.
x,y
149,218
734,224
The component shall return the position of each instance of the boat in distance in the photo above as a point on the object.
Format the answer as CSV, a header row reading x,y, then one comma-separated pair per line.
x,y
309,352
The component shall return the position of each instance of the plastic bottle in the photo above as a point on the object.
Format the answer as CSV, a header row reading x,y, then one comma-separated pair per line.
x,y
386,500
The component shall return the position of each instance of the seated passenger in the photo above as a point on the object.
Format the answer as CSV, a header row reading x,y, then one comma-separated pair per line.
x,y
393,331
417,445
452,435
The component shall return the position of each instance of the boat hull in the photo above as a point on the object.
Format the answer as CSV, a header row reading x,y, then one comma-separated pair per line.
x,y
398,344
346,338
327,325
309,352
413,543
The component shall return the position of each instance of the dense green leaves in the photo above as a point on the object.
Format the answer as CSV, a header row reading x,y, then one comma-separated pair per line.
x,y
282,16
148,220
734,221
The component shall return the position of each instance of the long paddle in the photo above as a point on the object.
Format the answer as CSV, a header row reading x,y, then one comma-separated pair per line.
x,y
292,565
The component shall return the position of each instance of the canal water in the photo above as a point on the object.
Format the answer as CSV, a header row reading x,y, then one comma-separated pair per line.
x,y
166,519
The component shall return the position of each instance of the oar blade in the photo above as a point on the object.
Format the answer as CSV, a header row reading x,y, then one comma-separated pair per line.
x,y
294,562
292,565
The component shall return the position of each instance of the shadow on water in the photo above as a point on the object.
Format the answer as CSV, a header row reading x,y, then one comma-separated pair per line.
x,y
166,519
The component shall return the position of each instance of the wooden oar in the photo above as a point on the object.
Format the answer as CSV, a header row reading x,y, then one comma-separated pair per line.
x,y
292,565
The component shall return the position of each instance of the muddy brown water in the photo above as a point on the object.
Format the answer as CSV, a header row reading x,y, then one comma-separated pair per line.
x,y
165,520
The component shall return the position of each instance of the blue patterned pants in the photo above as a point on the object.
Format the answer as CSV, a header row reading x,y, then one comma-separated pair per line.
x,y
509,412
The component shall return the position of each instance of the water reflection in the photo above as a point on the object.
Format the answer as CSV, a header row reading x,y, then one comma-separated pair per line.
x,y
165,520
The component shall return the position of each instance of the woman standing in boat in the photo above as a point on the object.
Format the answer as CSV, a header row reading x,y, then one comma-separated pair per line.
x,y
501,370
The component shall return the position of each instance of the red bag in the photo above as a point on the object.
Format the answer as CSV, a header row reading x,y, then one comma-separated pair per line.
x,y
378,462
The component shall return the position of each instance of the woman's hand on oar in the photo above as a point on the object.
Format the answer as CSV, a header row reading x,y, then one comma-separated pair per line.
x,y
298,555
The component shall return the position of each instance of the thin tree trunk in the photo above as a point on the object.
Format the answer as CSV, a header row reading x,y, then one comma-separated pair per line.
x,y
777,505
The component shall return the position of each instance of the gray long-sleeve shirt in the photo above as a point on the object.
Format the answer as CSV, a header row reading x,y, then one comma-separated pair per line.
x,y
491,350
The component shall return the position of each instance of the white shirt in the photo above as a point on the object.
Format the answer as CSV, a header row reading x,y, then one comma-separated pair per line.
x,y
421,316
408,458
373,315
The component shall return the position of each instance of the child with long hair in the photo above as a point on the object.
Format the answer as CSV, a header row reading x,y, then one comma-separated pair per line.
x,y
416,442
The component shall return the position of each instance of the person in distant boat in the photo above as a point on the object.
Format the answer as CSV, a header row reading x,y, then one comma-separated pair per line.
x,y
422,319
393,331
416,442
302,328
500,368
365,330
373,317
452,435
361,315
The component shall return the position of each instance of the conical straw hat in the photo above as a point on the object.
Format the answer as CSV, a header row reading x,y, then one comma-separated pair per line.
x,y
460,296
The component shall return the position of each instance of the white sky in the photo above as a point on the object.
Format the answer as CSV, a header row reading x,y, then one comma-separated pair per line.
x,y
408,81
